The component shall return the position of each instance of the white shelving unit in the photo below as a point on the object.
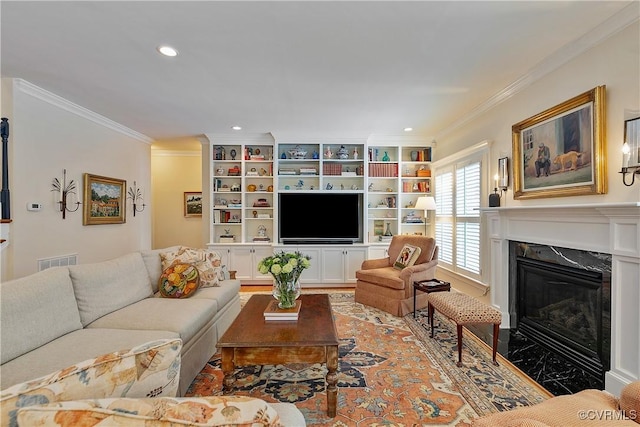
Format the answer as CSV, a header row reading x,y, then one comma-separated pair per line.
x,y
248,172
242,190
397,176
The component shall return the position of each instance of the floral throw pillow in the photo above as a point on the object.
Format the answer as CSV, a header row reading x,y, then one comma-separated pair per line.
x,y
210,411
208,263
179,281
407,256
148,370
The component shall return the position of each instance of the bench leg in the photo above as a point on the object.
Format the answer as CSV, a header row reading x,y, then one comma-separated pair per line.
x,y
430,316
496,332
459,328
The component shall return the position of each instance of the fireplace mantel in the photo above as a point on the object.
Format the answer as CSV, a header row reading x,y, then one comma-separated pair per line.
x,y
612,228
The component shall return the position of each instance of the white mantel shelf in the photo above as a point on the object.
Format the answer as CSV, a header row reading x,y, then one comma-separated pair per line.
x,y
581,206
612,228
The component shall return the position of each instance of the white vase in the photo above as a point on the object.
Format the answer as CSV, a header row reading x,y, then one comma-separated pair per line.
x,y
286,292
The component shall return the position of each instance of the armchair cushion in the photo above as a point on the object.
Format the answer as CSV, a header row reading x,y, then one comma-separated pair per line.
x,y
630,401
148,370
186,411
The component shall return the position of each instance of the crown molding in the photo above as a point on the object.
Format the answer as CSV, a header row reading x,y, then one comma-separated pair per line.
x,y
175,153
597,35
57,101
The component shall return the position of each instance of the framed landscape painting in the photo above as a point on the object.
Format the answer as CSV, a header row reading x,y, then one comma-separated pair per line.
x,y
103,200
560,151
193,203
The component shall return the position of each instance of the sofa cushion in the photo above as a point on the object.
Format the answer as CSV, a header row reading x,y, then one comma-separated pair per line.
x,y
153,263
208,262
148,370
188,317
35,310
187,411
179,281
85,344
104,287
223,294
407,256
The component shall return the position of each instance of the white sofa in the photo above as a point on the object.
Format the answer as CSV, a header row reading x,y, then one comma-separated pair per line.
x,y
60,316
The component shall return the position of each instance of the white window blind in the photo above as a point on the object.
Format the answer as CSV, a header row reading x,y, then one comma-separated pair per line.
x,y
457,228
444,216
468,217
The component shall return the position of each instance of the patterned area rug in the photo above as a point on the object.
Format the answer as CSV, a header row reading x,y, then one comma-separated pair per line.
x,y
391,373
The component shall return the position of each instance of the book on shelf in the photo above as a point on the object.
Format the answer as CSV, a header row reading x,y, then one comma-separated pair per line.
x,y
273,312
227,239
284,171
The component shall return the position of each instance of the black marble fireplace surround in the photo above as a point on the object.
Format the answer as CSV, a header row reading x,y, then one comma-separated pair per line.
x,y
560,309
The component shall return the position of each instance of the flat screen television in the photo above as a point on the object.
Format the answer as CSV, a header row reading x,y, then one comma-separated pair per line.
x,y
320,218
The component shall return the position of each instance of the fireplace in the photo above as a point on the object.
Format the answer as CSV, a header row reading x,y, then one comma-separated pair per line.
x,y
562,301
607,234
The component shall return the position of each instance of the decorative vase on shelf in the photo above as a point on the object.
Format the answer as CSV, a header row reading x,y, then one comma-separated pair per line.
x,y
286,293
385,158
414,156
387,232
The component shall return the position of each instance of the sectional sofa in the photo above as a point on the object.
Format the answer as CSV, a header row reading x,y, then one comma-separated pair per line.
x,y
57,317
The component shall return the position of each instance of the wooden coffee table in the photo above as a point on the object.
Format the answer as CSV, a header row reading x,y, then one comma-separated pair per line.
x,y
313,338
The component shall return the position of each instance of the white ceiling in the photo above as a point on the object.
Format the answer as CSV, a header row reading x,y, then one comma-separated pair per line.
x,y
296,67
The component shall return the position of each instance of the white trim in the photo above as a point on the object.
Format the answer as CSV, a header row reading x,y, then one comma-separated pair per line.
x,y
474,149
175,153
608,28
64,104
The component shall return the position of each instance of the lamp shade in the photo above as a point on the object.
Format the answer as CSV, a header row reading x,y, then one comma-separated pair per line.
x,y
426,203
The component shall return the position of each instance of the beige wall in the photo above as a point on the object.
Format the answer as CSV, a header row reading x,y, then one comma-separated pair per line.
x,y
176,168
49,134
615,63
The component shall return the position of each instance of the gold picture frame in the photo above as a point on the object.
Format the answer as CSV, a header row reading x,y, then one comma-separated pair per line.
x,y
561,151
103,200
192,203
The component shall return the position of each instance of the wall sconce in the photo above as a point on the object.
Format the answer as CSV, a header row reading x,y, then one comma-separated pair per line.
x,y
626,169
503,173
135,195
501,182
64,189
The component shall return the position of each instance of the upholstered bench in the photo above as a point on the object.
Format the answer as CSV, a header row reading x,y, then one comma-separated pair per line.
x,y
463,310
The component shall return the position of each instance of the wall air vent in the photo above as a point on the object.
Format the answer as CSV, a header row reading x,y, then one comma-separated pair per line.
x,y
59,261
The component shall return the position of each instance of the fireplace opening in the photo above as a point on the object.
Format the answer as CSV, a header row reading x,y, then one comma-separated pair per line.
x,y
561,308
560,298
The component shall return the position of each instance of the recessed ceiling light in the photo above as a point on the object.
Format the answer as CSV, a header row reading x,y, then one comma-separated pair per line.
x,y
408,129
167,51
236,127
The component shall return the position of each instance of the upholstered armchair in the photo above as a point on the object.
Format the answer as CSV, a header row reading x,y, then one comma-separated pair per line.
x,y
382,285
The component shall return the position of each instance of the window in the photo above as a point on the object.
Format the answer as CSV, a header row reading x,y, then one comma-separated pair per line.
x,y
458,186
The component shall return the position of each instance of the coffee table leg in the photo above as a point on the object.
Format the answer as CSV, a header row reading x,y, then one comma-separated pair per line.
x,y
332,380
228,369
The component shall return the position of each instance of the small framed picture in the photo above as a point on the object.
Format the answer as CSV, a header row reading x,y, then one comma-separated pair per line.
x,y
193,203
103,200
